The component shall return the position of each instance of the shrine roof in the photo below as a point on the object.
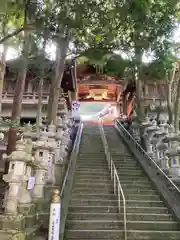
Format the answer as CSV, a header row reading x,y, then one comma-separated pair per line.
x,y
34,64
98,79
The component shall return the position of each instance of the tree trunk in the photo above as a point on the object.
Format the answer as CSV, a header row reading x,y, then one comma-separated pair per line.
x,y
56,81
177,107
2,73
139,97
39,107
40,90
169,86
18,95
139,92
74,95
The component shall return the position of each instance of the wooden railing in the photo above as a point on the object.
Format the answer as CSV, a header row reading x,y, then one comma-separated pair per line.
x,y
28,98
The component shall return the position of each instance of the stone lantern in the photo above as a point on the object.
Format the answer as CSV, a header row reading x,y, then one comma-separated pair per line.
x,y
160,146
135,127
64,142
17,178
151,140
63,111
41,148
163,160
144,125
172,153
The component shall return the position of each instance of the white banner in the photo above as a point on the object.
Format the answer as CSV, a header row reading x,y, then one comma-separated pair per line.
x,y
75,108
54,221
31,183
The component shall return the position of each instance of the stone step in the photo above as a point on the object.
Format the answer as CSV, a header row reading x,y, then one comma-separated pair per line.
x,y
126,163
102,202
129,177
114,224
149,197
114,209
92,209
85,177
92,216
93,196
122,179
131,173
115,216
120,155
119,234
85,164
92,174
139,191
93,202
125,167
97,169
106,175
147,209
90,157
79,180
93,185
136,185
92,161
93,224
88,154
147,217
90,190
101,163
122,173
135,181
143,203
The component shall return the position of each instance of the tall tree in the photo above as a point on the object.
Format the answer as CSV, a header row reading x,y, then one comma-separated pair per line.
x,y
29,8
144,26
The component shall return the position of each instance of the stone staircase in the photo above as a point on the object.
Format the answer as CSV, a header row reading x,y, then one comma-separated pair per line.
x,y
147,216
92,212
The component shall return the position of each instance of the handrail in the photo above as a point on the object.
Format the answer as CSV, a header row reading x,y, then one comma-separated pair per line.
x,y
169,191
114,177
146,155
68,181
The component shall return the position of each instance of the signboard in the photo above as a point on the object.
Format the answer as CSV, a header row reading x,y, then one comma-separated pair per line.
x,y
54,221
50,168
75,108
31,183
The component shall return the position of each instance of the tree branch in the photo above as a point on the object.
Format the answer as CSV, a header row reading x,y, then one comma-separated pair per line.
x,y
15,33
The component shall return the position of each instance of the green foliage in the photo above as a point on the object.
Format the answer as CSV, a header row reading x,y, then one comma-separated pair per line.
x,y
116,66
97,28
158,69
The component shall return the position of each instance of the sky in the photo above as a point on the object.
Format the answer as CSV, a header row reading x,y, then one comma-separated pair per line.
x,y
51,49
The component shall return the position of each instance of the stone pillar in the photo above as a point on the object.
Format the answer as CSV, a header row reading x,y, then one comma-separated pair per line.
x,y
160,148
135,128
59,163
173,154
144,125
40,194
151,141
52,143
163,161
41,165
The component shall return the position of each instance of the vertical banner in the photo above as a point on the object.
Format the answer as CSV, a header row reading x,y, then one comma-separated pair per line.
x,y
54,221
75,109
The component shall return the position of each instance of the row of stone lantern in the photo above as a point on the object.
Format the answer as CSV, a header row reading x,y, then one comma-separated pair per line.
x,y
162,143
35,168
